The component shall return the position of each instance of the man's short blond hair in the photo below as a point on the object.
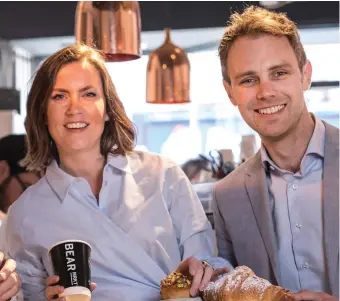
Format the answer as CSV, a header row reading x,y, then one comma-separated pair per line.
x,y
256,21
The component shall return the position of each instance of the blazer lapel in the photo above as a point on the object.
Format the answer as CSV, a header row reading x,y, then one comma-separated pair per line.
x,y
255,182
331,204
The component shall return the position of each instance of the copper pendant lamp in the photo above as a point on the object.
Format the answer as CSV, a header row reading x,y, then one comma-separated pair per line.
x,y
111,26
168,74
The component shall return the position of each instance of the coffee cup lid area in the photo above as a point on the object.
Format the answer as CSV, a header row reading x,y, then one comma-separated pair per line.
x,y
69,241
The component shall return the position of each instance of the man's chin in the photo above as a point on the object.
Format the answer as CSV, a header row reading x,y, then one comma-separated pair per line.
x,y
273,136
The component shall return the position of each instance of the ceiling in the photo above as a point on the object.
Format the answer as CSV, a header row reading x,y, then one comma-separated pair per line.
x,y
36,19
190,40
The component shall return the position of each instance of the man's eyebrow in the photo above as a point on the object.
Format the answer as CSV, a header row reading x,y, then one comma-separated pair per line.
x,y
246,73
278,66
252,72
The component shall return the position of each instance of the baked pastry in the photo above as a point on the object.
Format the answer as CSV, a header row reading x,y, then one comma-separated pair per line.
x,y
175,286
242,284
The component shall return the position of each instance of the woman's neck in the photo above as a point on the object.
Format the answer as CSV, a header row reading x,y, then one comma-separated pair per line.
x,y
86,165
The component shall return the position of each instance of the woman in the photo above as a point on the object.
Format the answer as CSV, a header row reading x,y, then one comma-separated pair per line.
x,y
136,209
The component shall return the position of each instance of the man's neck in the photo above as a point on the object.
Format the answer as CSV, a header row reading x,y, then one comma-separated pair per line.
x,y
287,153
88,165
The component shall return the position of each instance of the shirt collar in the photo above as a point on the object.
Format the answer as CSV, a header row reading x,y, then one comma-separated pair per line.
x,y
61,182
317,142
120,162
316,145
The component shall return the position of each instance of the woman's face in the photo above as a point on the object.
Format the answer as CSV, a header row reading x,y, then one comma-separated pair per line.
x,y
76,109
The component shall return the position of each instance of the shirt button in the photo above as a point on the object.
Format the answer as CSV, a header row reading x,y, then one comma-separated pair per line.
x,y
105,183
298,225
295,186
305,265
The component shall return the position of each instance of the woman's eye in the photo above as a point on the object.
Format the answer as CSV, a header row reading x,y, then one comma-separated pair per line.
x,y
57,96
90,94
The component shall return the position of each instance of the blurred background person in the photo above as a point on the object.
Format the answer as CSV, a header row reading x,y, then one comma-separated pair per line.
x,y
14,179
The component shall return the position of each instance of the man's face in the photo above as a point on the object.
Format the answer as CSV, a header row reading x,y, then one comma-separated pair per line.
x,y
267,85
11,187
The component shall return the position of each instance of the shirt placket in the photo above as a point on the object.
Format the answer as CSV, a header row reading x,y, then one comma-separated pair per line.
x,y
296,225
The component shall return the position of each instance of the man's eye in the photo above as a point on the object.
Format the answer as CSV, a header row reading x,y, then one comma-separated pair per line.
x,y
248,81
280,73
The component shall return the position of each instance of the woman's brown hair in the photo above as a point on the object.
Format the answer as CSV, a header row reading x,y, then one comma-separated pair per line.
x,y
256,21
119,133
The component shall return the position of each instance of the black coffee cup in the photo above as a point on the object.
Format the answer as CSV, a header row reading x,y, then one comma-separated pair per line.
x,y
71,262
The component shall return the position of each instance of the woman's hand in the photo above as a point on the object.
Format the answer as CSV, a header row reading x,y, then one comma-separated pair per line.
x,y
201,272
53,291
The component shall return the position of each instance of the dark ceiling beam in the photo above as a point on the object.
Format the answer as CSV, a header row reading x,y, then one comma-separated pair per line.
x,y
32,19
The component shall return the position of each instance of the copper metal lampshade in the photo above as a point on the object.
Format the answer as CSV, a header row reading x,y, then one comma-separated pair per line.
x,y
111,26
168,74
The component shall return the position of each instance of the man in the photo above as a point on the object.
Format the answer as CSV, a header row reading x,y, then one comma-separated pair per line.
x,y
278,213
14,179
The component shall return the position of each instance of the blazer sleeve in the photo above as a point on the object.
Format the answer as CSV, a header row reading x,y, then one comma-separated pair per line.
x,y
223,240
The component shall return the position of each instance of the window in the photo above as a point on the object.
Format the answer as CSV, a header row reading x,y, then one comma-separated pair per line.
x,y
210,121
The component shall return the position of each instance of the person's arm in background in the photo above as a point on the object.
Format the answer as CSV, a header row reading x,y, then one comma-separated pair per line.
x,y
224,244
10,283
9,279
29,265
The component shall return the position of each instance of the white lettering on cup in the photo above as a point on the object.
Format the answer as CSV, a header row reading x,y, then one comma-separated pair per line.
x,y
69,254
68,246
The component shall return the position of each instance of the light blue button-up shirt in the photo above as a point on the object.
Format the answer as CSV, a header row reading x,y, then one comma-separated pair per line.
x,y
147,220
296,202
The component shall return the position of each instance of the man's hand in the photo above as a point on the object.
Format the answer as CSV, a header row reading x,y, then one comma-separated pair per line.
x,y
53,290
202,273
312,296
10,282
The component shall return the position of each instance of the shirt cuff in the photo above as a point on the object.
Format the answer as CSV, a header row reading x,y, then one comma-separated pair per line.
x,y
218,262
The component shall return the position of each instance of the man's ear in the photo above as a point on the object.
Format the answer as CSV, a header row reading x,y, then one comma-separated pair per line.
x,y
229,91
4,171
307,76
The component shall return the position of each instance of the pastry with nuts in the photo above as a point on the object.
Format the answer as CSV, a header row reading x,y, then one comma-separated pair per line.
x,y
175,286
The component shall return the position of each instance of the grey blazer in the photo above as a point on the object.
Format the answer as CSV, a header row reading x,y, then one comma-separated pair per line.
x,y
244,225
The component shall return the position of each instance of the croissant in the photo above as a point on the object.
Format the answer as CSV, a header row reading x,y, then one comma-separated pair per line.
x,y
242,284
